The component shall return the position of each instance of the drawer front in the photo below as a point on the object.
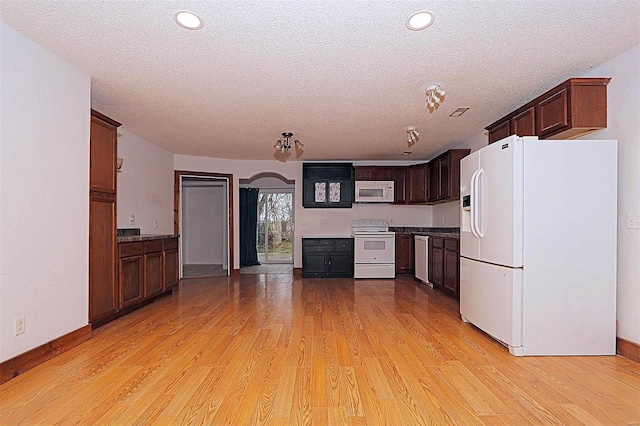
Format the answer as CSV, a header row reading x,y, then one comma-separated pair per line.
x,y
315,242
130,249
437,242
170,244
344,245
152,246
451,244
317,249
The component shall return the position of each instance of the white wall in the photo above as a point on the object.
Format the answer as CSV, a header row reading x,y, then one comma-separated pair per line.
x,y
446,214
203,217
44,194
307,221
145,184
623,124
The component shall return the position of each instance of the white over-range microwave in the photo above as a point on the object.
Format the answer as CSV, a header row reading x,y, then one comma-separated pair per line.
x,y
374,191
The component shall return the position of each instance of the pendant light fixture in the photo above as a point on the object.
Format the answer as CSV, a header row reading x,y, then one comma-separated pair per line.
x,y
286,142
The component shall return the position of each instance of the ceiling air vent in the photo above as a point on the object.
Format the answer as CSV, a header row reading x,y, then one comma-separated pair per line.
x,y
458,112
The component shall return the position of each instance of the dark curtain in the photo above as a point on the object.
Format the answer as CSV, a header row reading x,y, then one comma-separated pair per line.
x,y
248,226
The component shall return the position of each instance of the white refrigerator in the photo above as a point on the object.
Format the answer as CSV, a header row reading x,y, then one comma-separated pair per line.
x,y
538,244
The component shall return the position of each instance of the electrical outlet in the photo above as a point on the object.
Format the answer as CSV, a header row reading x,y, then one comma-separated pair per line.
x,y
155,224
633,221
18,326
132,219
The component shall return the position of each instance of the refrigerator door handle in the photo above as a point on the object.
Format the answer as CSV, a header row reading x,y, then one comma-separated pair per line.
x,y
473,204
479,195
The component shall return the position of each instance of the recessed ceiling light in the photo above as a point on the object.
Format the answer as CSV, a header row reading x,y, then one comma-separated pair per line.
x,y
420,20
188,20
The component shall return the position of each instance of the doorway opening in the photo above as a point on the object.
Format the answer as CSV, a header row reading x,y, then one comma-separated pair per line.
x,y
275,226
203,221
274,231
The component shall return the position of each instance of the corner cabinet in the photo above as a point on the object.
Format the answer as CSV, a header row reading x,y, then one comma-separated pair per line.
x,y
327,257
574,108
444,176
327,185
444,264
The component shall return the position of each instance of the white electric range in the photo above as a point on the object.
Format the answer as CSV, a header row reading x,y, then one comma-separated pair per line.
x,y
374,249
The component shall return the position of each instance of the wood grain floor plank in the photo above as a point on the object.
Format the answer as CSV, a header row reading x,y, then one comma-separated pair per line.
x,y
277,349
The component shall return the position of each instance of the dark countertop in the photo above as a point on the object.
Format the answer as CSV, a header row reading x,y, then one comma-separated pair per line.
x,y
143,237
430,231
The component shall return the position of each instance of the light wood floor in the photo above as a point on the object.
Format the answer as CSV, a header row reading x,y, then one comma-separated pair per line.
x,y
272,349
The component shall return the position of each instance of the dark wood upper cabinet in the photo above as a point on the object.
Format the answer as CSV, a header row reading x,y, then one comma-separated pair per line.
x,y
383,173
574,108
501,131
417,179
444,176
364,172
524,124
320,179
102,175
369,173
400,185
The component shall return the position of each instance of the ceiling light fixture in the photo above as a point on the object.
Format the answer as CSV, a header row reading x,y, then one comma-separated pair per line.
x,y
286,142
412,136
435,96
188,20
420,20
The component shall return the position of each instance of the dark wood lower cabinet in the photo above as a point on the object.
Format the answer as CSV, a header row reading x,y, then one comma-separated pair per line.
x,y
103,293
327,257
170,269
404,254
153,274
145,269
130,280
444,264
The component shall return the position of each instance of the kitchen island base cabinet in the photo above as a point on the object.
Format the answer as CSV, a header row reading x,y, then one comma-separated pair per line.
x,y
327,257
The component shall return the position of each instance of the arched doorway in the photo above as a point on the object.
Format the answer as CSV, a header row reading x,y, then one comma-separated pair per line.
x,y
275,217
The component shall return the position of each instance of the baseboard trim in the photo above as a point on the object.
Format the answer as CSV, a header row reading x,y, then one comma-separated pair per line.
x,y
36,356
297,271
627,349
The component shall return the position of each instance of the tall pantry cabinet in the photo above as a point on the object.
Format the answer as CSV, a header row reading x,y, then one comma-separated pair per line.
x,y
103,297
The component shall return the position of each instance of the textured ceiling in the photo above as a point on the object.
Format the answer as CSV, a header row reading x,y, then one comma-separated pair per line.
x,y
347,78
